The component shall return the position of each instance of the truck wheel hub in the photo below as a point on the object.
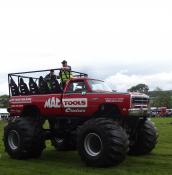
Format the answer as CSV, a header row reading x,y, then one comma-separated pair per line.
x,y
93,144
14,140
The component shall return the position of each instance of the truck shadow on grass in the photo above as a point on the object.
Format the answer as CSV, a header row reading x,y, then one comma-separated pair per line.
x,y
72,159
62,157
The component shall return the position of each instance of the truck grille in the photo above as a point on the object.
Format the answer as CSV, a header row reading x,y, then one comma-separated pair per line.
x,y
140,100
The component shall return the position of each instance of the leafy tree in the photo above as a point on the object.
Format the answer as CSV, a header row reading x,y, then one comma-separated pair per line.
x,y
142,88
161,98
4,101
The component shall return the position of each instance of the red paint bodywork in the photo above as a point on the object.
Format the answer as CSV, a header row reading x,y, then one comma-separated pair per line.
x,y
94,101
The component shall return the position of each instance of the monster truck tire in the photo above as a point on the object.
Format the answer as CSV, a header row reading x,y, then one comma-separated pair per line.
x,y
102,142
23,139
146,139
63,144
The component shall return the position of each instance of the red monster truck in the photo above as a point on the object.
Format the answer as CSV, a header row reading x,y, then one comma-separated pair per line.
x,y
86,115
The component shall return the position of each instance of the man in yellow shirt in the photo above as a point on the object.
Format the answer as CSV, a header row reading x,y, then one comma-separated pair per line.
x,y
65,73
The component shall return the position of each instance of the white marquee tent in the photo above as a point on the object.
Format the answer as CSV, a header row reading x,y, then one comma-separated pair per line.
x,y
3,113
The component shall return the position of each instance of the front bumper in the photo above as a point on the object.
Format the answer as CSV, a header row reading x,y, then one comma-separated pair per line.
x,y
139,112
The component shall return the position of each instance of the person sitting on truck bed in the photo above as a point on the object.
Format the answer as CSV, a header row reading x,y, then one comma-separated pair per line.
x,y
65,73
49,77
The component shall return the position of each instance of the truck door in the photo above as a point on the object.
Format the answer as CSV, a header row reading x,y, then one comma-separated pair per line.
x,y
75,100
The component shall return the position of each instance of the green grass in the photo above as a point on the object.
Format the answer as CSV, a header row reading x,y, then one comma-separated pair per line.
x,y
159,162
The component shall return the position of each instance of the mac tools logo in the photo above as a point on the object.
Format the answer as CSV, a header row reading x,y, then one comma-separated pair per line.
x,y
75,103
52,103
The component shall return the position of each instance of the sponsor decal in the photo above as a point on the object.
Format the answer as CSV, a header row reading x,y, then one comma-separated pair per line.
x,y
20,100
75,103
114,100
74,110
15,111
16,106
52,102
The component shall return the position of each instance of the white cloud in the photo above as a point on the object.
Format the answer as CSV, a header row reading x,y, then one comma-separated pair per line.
x,y
122,82
4,88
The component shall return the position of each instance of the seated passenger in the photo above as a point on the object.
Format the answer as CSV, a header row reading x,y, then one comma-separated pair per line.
x,y
55,86
49,77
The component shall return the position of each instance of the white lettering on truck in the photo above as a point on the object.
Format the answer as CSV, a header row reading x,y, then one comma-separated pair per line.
x,y
20,100
52,103
74,110
75,102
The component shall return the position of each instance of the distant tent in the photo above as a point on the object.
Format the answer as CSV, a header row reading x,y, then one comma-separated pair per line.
x,y
3,114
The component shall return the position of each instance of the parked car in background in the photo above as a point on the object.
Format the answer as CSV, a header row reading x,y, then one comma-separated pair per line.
x,y
169,112
160,112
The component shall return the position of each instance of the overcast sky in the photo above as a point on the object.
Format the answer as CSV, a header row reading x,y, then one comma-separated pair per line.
x,y
124,42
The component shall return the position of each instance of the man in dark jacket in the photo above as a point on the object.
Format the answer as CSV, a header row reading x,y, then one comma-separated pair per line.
x,y
49,77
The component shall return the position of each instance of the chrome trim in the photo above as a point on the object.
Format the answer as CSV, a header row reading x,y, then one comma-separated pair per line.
x,y
138,112
93,144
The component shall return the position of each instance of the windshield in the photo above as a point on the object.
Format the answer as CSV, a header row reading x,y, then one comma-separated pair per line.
x,y
99,86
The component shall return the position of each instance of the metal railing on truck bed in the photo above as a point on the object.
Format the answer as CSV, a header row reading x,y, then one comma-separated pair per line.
x,y
33,78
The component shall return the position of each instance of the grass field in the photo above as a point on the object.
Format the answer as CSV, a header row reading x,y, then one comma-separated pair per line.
x,y
159,162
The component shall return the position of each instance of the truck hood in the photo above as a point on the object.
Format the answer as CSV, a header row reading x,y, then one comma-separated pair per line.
x,y
137,94
132,94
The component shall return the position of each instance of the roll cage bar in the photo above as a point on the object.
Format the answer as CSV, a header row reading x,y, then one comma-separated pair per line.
x,y
22,75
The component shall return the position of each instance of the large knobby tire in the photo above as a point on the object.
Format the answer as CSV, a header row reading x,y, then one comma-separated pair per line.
x,y
23,139
102,142
146,139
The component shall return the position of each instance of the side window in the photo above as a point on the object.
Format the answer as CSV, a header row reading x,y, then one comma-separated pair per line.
x,y
77,87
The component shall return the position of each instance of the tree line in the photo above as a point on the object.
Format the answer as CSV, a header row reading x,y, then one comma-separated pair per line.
x,y
4,101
